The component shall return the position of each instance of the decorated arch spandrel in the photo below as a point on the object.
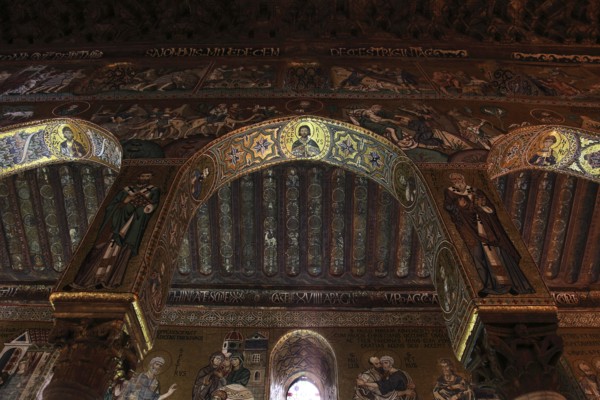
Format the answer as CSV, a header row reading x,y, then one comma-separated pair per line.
x,y
36,144
553,148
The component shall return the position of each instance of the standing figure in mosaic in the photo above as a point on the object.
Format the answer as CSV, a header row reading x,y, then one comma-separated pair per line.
x,y
496,259
196,181
238,374
209,378
120,235
146,386
13,385
373,374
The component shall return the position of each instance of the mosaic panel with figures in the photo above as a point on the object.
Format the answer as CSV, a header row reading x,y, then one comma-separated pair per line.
x,y
256,363
226,363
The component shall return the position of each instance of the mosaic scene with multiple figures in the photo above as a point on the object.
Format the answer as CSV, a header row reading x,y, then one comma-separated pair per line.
x,y
230,363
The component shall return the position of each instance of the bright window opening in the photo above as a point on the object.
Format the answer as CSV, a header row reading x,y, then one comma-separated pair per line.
x,y
303,389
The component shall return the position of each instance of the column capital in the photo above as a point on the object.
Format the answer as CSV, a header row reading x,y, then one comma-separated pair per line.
x,y
517,359
91,351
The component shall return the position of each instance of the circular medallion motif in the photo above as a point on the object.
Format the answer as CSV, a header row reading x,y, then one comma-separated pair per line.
x,y
511,151
405,184
446,281
156,290
305,138
202,178
590,160
551,149
66,141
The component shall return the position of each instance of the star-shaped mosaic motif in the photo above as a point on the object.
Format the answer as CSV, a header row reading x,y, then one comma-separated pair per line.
x,y
234,155
374,159
347,147
261,146
593,158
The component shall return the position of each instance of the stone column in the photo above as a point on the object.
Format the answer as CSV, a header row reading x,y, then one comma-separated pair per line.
x,y
91,352
518,360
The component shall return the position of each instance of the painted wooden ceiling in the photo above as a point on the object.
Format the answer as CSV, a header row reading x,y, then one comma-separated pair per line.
x,y
75,22
247,235
558,217
252,232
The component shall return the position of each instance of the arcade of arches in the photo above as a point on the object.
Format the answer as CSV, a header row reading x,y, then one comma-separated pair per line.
x,y
391,209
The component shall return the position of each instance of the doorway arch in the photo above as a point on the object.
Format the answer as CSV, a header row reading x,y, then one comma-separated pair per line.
x,y
303,388
303,354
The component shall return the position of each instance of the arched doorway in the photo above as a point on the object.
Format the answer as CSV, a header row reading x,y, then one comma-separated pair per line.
x,y
303,362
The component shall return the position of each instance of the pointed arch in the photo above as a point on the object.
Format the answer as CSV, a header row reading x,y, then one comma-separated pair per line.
x,y
270,143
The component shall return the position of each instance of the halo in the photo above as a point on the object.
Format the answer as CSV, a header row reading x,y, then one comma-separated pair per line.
x,y
553,134
452,360
308,124
379,352
158,353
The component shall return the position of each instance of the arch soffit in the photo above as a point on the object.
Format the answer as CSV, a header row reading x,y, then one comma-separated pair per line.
x,y
553,148
281,378
39,143
272,143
